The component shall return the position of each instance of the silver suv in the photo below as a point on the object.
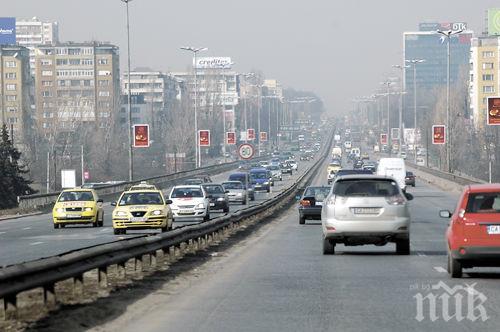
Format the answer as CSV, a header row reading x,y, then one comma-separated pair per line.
x,y
366,209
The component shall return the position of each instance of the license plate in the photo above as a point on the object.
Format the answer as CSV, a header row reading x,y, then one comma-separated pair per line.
x,y
73,216
185,212
494,229
212,204
138,219
319,203
365,210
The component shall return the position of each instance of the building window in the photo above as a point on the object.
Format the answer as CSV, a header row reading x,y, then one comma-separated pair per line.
x,y
87,62
488,54
103,93
10,64
46,72
103,61
61,62
12,109
10,87
46,94
88,82
104,73
487,77
488,89
46,62
488,65
11,97
46,125
10,76
75,82
74,51
103,83
61,83
74,62
13,120
47,83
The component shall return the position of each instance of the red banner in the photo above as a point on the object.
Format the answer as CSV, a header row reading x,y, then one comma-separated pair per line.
x,y
250,134
204,137
438,134
383,139
493,117
141,136
231,138
263,136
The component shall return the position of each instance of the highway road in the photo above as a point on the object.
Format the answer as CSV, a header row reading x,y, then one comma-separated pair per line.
x,y
33,237
278,280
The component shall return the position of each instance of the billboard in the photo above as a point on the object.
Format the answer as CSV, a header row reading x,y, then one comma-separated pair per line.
x,y
141,136
383,139
213,63
7,30
250,134
204,137
494,21
493,116
263,136
231,138
438,134
433,26
68,178
409,136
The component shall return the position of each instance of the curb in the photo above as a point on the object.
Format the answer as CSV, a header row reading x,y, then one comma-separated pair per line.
x,y
18,216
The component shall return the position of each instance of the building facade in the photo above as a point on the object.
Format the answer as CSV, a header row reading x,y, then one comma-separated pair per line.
x,y
76,84
15,85
33,32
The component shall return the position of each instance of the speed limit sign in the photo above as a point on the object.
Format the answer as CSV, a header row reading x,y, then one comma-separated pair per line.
x,y
246,151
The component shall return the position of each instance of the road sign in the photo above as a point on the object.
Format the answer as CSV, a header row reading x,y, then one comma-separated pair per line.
x,y
383,139
263,136
141,136
86,175
204,137
231,138
68,178
395,133
250,134
246,151
438,134
493,116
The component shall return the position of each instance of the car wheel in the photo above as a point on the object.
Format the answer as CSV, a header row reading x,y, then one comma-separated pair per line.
x,y
117,231
244,202
56,226
226,209
328,247
96,224
252,198
454,267
207,217
413,185
165,229
403,247
302,220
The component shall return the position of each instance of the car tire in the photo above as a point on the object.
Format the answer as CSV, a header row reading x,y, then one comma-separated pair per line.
x,y
226,209
413,185
244,202
403,247
454,267
252,198
302,220
269,189
328,247
207,216
165,229
56,226
118,231
96,224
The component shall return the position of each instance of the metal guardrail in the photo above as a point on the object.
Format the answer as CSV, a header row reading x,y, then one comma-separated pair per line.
x,y
456,178
46,272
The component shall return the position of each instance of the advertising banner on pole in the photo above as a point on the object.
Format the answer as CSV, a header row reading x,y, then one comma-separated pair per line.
x,y
204,137
493,116
383,139
250,134
231,138
141,136
263,136
7,30
438,134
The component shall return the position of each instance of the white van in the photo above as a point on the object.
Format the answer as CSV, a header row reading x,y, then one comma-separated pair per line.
x,y
356,152
394,167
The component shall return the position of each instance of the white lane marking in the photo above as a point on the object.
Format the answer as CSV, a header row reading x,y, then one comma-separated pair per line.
x,y
440,269
103,230
2,233
35,243
26,228
421,254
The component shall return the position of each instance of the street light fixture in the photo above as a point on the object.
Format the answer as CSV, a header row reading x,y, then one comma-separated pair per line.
x,y
414,62
447,35
402,68
195,51
130,134
389,145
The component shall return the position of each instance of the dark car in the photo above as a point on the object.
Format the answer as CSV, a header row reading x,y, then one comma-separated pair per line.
x,y
217,196
370,165
197,181
244,178
311,202
260,179
358,164
410,179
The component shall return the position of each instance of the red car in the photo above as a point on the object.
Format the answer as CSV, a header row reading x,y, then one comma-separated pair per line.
x,y
473,235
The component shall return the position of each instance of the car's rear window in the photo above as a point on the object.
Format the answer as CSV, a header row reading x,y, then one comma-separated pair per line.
x,y
367,188
483,203
232,185
214,189
319,193
76,196
141,198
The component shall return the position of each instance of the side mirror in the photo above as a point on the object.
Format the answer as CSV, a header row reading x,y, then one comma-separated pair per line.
x,y
100,200
445,214
227,191
168,201
113,203
409,196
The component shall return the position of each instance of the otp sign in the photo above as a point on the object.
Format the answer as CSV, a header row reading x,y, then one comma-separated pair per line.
x,y
438,134
141,136
204,137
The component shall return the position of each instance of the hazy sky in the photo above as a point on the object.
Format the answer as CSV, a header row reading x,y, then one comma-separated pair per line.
x,y
338,49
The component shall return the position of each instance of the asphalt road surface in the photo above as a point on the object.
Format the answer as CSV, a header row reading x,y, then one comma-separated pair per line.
x,y
278,280
34,237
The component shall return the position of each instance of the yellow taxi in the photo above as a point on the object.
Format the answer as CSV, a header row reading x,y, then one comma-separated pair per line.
x,y
78,206
142,208
334,167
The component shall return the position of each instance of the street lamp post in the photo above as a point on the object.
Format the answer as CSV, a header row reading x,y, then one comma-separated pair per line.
x,y
414,62
129,108
389,145
447,34
402,68
195,51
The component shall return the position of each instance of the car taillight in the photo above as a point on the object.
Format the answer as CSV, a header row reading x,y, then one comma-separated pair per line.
x,y
395,200
305,202
331,200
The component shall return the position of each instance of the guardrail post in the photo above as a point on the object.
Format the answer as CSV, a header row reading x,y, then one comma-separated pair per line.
x,y
10,307
102,276
152,259
121,270
78,285
49,294
138,263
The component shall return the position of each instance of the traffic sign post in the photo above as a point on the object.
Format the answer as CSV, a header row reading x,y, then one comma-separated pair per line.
x,y
246,151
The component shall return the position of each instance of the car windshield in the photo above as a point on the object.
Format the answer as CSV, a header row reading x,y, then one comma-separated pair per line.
x,y
319,193
76,196
232,185
352,171
214,189
237,177
258,175
364,187
141,198
193,182
483,203
274,168
186,193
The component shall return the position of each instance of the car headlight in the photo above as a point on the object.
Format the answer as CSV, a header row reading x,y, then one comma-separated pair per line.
x,y
156,212
200,206
239,194
87,209
60,210
121,214
266,183
221,199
